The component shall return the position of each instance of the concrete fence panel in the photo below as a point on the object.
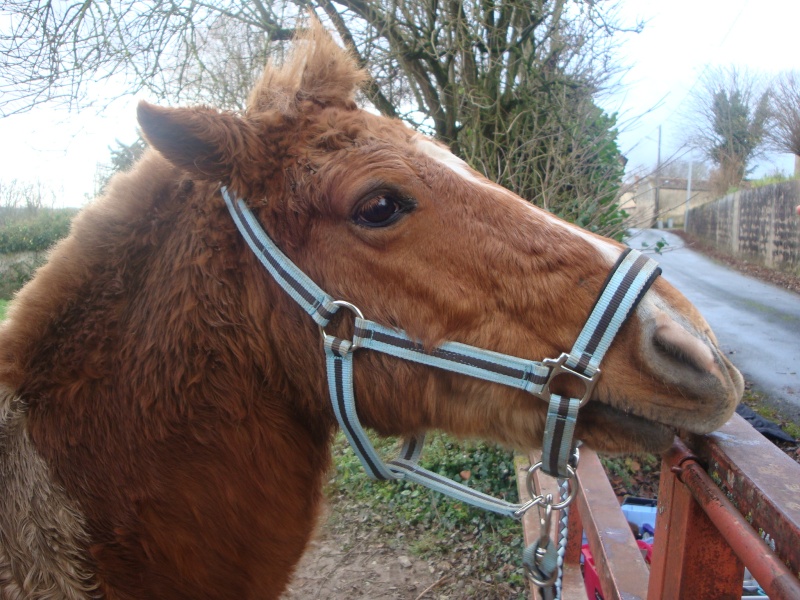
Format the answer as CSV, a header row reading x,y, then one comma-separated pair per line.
x,y
758,225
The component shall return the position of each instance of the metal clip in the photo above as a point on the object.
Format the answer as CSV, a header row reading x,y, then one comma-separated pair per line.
x,y
526,507
539,559
544,521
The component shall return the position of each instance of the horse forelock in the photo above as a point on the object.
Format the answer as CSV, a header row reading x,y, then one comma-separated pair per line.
x,y
317,70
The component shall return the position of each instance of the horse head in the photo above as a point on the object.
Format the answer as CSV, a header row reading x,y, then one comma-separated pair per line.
x,y
389,220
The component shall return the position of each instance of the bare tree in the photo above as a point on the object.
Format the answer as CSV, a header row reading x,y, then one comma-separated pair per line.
x,y
784,135
509,85
56,50
24,197
730,118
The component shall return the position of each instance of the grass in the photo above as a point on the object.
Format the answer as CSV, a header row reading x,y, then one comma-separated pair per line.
x,y
3,304
484,547
755,401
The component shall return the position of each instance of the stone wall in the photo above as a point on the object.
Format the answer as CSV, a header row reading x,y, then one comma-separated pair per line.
x,y
8,260
758,225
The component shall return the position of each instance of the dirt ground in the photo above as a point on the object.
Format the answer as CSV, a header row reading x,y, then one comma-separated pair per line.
x,y
351,558
356,564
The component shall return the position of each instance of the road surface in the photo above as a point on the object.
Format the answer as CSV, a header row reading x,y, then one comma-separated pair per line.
x,y
756,324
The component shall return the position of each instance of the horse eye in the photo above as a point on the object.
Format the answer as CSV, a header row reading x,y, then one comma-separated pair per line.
x,y
382,210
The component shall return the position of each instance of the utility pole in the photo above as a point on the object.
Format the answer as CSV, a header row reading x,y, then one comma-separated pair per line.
x,y
688,196
658,177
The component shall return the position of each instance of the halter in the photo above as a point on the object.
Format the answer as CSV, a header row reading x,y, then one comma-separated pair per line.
x,y
630,278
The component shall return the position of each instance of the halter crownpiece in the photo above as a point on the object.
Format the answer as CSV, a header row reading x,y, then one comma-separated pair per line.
x,y
625,286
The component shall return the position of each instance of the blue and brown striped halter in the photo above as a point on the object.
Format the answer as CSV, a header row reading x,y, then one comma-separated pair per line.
x,y
625,286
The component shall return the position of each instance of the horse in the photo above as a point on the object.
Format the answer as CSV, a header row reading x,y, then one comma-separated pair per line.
x,y
165,422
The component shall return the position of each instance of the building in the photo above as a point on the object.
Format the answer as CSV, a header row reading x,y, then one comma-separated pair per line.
x,y
652,200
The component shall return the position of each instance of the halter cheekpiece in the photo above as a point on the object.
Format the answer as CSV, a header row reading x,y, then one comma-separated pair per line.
x,y
627,282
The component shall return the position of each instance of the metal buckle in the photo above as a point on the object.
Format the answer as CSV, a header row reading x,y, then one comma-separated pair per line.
x,y
352,308
558,367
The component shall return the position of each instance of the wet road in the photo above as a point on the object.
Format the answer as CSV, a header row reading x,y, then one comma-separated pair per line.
x,y
756,324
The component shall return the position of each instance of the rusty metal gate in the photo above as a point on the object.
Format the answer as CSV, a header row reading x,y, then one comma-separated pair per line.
x,y
726,501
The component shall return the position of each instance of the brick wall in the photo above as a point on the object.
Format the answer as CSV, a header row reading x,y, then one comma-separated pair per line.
x,y
758,225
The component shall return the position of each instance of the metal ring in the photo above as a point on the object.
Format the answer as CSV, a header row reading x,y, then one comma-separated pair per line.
x,y
352,308
573,489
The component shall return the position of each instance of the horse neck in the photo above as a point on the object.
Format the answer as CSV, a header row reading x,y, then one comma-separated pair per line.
x,y
155,296
159,375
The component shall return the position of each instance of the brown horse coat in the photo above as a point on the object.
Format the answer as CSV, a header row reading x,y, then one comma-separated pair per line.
x,y
164,421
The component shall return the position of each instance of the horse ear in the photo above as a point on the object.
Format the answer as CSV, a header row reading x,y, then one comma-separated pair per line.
x,y
211,145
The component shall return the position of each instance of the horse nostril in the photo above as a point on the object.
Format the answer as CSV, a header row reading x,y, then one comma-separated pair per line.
x,y
675,352
674,342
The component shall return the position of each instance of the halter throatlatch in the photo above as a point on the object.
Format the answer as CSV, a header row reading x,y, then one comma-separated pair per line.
x,y
626,284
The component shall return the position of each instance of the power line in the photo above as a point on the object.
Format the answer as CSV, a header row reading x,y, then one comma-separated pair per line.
x,y
697,79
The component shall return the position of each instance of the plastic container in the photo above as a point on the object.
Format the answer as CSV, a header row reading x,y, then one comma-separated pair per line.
x,y
590,578
640,511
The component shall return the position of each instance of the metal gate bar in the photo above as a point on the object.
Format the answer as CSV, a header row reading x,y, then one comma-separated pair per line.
x,y
731,501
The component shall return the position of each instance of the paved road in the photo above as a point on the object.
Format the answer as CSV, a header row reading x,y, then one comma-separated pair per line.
x,y
757,324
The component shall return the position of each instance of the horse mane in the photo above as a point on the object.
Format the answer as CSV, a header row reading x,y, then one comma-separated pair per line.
x,y
57,285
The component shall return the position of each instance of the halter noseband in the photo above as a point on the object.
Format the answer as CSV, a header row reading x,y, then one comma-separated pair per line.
x,y
627,282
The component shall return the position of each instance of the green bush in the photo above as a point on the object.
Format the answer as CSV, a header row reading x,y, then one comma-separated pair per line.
x,y
29,231
770,179
13,277
22,232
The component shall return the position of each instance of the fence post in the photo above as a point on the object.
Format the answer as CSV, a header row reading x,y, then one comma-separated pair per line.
x,y
690,559
620,566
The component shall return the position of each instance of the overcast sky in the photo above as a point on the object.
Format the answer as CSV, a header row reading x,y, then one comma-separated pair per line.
x,y
680,40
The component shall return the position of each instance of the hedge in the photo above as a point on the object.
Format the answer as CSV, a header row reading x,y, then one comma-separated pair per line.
x,y
34,233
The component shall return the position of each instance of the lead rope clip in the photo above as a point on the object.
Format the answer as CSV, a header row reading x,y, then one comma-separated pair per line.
x,y
541,559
